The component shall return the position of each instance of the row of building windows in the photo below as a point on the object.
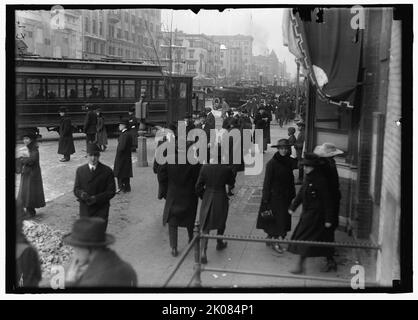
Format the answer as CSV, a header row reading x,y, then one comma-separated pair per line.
x,y
98,29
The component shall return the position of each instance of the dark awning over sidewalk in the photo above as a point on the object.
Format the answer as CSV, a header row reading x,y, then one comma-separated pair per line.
x,y
329,50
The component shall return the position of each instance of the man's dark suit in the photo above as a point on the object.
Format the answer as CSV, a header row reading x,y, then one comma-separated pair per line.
x,y
100,184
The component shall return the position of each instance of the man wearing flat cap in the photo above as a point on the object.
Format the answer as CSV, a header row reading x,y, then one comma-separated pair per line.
x,y
123,160
93,264
94,186
66,142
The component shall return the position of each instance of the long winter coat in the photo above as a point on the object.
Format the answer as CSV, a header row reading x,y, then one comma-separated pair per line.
x,y
101,131
331,173
181,200
210,123
316,211
66,142
133,130
101,184
31,190
107,270
90,122
262,125
278,192
123,159
211,188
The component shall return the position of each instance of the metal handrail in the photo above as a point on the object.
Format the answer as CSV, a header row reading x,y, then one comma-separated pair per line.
x,y
357,245
181,260
198,269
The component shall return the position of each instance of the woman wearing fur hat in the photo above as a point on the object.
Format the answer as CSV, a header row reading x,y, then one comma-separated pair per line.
x,y
278,192
317,213
31,191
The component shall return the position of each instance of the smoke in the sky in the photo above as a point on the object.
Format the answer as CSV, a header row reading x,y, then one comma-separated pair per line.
x,y
263,24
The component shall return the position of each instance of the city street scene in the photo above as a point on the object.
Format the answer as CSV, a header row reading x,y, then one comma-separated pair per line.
x,y
244,148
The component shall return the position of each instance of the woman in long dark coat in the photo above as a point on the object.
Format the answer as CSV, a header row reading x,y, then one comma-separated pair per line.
x,y
260,121
122,167
101,135
278,192
210,187
317,213
66,142
181,200
31,191
327,151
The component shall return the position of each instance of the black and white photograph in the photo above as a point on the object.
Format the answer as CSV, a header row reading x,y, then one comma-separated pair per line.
x,y
208,148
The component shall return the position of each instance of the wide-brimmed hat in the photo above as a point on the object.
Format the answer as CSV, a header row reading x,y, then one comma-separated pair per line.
x,y
89,232
281,143
63,109
300,124
93,148
311,159
291,129
327,150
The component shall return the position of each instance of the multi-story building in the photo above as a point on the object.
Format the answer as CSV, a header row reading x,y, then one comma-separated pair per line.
x,y
122,33
93,34
241,53
173,52
50,35
265,68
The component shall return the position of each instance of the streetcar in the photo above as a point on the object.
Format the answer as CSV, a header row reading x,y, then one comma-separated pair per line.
x,y
43,85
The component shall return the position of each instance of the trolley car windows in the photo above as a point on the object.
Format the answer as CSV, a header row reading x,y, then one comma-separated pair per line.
x,y
35,88
53,88
128,88
183,90
93,89
161,90
113,88
20,88
71,89
80,89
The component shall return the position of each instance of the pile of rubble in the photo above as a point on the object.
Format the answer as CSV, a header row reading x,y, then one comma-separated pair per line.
x,y
48,242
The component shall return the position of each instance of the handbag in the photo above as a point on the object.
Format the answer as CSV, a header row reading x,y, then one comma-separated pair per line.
x,y
267,215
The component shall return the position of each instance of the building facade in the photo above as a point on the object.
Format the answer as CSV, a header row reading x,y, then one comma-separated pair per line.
x,y
266,68
240,55
93,34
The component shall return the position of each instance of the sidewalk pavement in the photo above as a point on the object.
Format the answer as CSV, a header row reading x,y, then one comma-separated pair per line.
x,y
144,241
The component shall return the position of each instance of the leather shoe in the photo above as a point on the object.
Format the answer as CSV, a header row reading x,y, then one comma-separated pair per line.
x,y
276,247
174,252
221,245
64,160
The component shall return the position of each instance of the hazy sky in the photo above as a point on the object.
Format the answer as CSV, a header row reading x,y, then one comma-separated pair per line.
x,y
265,25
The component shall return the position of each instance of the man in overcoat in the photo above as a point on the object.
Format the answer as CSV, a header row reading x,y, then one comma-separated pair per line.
x,y
133,128
94,186
66,142
211,188
300,140
181,200
208,125
93,264
123,160
90,123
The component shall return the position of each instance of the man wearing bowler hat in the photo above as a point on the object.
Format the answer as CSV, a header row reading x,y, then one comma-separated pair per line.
x,y
94,185
66,143
122,167
93,264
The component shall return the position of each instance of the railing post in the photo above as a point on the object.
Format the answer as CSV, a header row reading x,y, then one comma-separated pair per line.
x,y
197,265
142,150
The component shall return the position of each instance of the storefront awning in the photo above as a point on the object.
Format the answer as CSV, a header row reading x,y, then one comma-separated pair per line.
x,y
330,51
